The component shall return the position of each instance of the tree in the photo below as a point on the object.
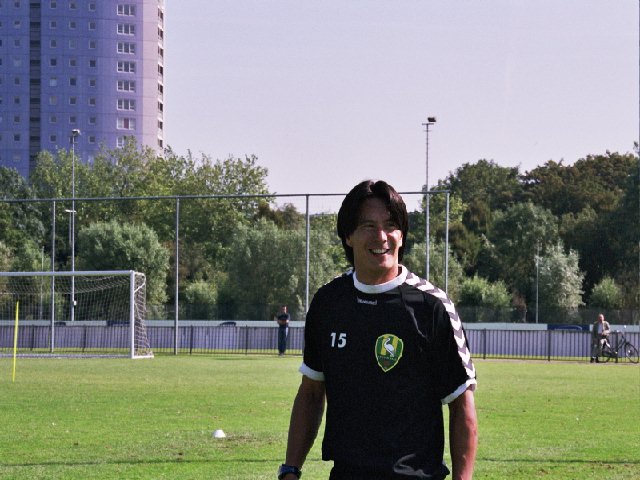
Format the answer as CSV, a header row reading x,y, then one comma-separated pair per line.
x,y
286,217
596,181
266,268
482,301
517,236
415,260
114,246
478,291
18,221
498,187
560,279
606,295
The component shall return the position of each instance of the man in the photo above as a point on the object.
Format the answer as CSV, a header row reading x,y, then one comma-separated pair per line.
x,y
283,329
599,337
386,349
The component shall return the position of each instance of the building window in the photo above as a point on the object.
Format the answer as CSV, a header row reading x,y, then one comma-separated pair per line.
x,y
53,4
92,102
73,44
73,62
126,47
92,63
16,119
53,43
53,119
126,86
53,62
127,10
92,139
16,137
127,67
92,120
126,29
53,138
92,25
72,120
16,42
92,7
53,82
92,44
92,82
126,124
73,81
72,25
126,104
53,100
73,100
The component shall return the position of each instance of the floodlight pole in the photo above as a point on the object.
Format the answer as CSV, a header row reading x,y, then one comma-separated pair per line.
x,y
537,280
75,133
430,121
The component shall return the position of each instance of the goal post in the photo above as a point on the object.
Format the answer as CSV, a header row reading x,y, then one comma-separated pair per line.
x,y
75,313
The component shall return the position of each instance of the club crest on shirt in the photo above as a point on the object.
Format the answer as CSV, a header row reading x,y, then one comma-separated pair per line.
x,y
388,351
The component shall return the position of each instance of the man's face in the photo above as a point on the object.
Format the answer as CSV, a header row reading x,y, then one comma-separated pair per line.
x,y
376,242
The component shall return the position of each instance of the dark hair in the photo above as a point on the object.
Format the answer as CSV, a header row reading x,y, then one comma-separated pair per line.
x,y
349,213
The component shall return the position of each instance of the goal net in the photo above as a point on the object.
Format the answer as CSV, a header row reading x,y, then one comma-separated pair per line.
x,y
80,313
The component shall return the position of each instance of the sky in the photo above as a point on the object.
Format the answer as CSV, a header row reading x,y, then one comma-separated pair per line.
x,y
329,93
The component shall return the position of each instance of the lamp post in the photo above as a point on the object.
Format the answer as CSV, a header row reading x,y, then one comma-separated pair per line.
x,y
430,121
75,133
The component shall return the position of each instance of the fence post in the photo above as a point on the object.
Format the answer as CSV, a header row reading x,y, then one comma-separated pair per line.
x,y
549,345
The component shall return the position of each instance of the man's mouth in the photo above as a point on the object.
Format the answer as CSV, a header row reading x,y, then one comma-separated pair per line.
x,y
379,251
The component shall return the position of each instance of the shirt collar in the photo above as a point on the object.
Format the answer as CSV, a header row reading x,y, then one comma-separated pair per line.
x,y
382,287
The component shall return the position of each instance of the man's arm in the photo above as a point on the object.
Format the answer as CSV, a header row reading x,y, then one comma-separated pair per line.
x,y
463,435
306,417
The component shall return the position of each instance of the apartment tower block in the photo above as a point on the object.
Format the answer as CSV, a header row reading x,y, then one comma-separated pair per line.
x,y
87,70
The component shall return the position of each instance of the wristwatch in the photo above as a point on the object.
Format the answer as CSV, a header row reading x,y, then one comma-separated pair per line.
x,y
285,469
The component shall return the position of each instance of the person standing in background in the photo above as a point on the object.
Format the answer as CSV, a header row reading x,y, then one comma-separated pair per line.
x,y
283,329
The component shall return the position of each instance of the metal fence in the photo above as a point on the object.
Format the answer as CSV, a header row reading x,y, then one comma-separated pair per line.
x,y
241,339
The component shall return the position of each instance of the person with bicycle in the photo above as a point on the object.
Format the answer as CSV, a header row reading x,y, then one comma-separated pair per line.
x,y
599,338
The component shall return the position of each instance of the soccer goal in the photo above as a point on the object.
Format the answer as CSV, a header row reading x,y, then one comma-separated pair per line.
x,y
80,313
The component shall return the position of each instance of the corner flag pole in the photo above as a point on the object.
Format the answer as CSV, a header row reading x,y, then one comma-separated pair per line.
x,y
15,343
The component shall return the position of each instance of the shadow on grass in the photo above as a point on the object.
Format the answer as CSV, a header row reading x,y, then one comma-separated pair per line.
x,y
136,462
559,461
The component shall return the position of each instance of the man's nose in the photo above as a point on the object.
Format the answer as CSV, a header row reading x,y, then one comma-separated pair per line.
x,y
380,233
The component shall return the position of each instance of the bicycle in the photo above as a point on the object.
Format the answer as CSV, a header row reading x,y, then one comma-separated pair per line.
x,y
623,349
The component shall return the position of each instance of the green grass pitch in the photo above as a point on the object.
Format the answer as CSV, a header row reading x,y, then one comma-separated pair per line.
x,y
154,419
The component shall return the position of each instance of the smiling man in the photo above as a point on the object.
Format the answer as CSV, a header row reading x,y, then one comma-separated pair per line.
x,y
386,349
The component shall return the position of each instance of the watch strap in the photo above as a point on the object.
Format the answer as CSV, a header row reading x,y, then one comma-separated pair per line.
x,y
286,469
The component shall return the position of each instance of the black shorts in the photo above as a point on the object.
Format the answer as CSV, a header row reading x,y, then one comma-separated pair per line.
x,y
347,472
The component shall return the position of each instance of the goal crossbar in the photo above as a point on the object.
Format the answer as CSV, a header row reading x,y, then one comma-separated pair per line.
x,y
112,312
